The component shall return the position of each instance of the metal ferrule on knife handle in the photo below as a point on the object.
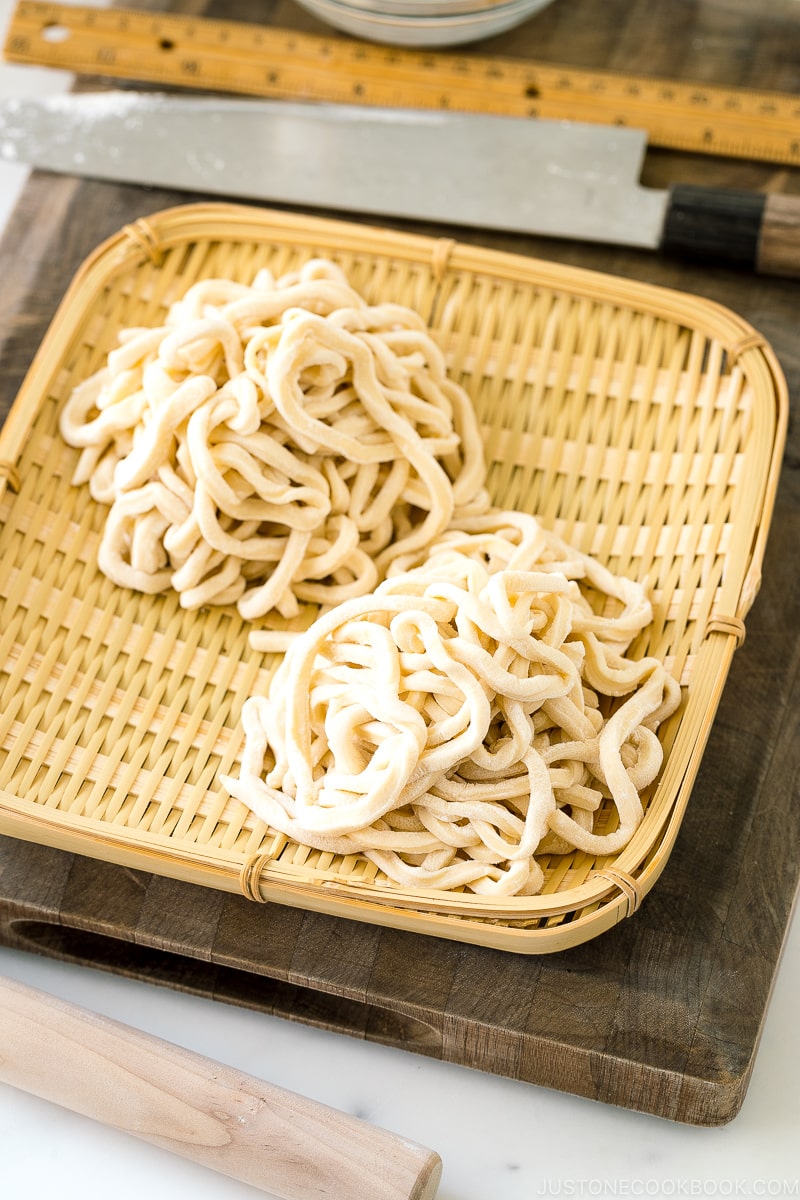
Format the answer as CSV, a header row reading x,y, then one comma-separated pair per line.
x,y
746,229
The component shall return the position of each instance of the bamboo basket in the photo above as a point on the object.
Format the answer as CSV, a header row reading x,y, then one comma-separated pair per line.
x,y
644,425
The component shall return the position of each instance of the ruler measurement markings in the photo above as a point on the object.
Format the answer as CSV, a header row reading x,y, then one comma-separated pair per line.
x,y
201,52
555,76
284,79
460,91
509,89
228,30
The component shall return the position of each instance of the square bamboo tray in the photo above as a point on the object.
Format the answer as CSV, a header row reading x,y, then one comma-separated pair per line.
x,y
644,425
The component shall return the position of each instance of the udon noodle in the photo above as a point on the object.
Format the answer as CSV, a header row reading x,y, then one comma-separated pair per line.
x,y
475,712
273,444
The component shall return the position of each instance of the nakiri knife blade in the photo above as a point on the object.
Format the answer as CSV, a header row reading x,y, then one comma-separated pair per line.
x,y
551,178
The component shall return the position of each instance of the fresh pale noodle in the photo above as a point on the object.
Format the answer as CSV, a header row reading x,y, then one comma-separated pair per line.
x,y
273,445
475,712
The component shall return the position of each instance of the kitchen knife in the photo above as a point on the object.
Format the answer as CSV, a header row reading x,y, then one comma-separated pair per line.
x,y
234,1123
553,178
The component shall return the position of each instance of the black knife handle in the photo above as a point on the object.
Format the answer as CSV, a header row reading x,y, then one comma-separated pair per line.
x,y
745,229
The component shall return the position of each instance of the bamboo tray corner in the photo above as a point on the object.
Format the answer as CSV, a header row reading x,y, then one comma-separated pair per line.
x,y
644,425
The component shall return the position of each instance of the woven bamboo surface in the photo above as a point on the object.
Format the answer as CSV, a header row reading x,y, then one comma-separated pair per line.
x,y
644,425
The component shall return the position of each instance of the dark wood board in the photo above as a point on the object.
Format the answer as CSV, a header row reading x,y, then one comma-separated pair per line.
x,y
663,1013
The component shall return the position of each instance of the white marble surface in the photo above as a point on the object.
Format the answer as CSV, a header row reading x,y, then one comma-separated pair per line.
x,y
499,1140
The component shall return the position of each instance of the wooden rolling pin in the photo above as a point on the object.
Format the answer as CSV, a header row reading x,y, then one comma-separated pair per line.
x,y
263,1135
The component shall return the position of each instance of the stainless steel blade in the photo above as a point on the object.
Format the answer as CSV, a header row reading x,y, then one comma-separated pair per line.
x,y
555,178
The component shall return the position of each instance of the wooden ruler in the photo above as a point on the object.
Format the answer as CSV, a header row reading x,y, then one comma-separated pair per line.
x,y
258,60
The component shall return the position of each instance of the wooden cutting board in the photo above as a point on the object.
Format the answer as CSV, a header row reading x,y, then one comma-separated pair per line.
x,y
663,1013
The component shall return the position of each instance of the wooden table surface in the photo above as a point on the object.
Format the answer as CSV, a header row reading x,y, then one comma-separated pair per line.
x,y
662,1014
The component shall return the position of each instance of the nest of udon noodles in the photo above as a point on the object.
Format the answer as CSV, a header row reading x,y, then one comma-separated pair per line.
x,y
465,704
273,444
475,712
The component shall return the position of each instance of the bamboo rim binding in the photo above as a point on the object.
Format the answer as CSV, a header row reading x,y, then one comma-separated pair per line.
x,y
732,626
627,886
250,877
10,475
146,239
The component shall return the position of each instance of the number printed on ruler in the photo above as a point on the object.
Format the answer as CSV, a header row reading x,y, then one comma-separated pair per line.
x,y
259,60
